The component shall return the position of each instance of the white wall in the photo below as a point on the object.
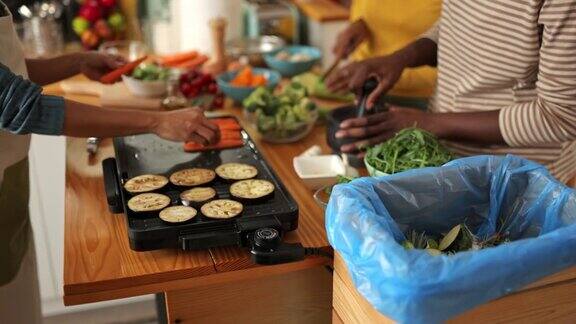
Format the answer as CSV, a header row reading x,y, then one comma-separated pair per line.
x,y
189,29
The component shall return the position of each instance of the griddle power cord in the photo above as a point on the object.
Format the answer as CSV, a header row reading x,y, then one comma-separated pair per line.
x,y
267,248
314,251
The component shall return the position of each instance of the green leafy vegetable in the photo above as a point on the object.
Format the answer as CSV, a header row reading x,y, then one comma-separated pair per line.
x,y
449,238
282,115
459,238
409,149
340,179
317,88
150,72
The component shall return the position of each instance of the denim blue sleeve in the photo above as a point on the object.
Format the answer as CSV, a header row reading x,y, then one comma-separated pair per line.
x,y
24,109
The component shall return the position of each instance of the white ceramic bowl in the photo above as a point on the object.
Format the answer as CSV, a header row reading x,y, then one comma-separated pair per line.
x,y
372,171
320,170
140,88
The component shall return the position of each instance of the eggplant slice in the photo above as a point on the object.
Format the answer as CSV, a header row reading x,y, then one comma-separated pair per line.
x,y
222,209
178,214
236,171
145,183
148,202
251,189
198,195
192,177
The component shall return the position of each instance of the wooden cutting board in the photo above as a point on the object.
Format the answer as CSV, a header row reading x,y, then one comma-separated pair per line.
x,y
111,96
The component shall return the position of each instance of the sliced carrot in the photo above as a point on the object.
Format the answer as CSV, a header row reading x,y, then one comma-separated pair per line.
x,y
227,123
243,78
258,80
229,127
193,63
195,147
230,135
116,75
178,58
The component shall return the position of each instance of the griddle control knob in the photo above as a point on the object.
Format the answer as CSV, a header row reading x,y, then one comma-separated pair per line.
x,y
267,238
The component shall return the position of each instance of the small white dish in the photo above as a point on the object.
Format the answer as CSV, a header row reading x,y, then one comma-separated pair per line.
x,y
320,170
149,89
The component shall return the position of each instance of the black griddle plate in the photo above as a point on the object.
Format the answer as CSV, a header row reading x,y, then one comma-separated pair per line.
x,y
149,154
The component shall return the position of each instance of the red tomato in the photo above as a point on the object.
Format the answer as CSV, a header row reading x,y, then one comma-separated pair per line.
x,y
184,78
90,11
218,102
186,89
194,92
107,3
192,74
212,88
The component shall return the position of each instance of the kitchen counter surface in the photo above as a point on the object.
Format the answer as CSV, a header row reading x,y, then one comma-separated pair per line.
x,y
323,10
99,264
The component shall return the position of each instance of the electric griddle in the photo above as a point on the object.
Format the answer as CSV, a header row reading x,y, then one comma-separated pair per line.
x,y
149,154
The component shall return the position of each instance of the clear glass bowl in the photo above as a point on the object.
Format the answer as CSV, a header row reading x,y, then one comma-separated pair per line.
x,y
282,136
322,197
131,50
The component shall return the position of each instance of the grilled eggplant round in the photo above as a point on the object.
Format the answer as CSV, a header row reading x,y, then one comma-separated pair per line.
x,y
145,183
192,177
197,195
251,189
148,202
236,171
222,209
178,214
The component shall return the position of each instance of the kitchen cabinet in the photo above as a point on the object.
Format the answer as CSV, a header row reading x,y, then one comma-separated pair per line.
x,y
47,174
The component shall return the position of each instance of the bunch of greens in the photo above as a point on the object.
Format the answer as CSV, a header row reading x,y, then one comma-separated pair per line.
x,y
282,115
459,238
409,149
150,72
317,88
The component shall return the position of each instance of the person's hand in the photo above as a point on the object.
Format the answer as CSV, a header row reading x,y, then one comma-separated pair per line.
x,y
377,128
94,64
187,124
387,69
349,39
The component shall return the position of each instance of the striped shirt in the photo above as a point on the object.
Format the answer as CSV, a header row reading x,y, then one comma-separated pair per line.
x,y
518,57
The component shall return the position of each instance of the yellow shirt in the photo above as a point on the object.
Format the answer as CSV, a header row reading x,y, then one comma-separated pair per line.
x,y
394,24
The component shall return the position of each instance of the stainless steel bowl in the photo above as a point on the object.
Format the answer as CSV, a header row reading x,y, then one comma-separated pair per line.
x,y
254,48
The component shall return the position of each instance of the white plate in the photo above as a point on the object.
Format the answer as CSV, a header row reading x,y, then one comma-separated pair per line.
x,y
320,170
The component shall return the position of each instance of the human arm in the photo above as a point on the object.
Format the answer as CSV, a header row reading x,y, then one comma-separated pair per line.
x,y
23,110
91,64
478,127
350,38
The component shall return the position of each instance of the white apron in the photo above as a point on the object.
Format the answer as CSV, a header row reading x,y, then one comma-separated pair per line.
x,y
15,232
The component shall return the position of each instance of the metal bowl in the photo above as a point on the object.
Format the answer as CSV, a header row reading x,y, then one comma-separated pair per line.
x,y
254,48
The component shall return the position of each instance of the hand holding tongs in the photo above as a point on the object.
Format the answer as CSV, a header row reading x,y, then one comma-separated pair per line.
x,y
369,86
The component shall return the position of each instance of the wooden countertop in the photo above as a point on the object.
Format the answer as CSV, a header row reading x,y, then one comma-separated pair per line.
x,y
323,10
99,264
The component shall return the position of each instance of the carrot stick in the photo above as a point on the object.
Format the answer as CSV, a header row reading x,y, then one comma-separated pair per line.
x,y
194,63
174,59
229,127
195,147
229,135
116,75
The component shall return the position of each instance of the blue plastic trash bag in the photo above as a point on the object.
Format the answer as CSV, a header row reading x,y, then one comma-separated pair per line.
x,y
366,219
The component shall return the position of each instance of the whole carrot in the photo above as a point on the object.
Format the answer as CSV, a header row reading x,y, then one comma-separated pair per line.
x,y
116,75
193,63
178,58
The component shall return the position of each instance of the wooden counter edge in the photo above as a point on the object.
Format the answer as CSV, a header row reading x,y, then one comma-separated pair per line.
x,y
347,299
188,283
323,10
